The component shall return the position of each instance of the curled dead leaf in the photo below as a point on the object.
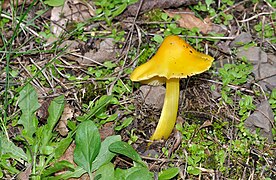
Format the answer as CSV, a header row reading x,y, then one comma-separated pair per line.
x,y
206,124
62,124
72,11
107,130
25,174
189,20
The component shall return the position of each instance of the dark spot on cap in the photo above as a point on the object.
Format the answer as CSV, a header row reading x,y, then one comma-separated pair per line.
x,y
191,51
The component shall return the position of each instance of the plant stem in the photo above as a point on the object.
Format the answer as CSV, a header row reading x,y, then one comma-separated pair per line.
x,y
169,111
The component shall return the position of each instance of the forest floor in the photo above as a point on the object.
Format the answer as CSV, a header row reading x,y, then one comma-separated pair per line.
x,y
70,110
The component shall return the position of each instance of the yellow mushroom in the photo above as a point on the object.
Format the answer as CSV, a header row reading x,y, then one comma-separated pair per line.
x,y
173,60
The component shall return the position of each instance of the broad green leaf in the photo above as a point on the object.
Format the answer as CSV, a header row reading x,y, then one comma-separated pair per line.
x,y
69,174
168,173
133,174
8,147
138,173
88,143
54,3
127,150
55,110
120,174
62,146
58,166
105,155
28,104
105,172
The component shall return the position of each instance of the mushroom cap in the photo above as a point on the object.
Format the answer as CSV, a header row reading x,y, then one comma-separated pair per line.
x,y
174,59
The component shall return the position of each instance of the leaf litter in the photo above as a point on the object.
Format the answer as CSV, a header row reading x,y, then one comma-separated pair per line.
x,y
197,103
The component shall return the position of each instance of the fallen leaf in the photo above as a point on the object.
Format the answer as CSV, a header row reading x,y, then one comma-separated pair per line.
x,y
42,112
206,124
62,124
25,174
107,130
72,11
189,21
69,154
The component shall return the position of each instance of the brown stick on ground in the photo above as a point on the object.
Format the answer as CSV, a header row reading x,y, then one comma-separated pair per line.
x,y
156,4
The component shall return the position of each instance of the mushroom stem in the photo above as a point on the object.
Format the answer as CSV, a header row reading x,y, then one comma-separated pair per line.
x,y
169,111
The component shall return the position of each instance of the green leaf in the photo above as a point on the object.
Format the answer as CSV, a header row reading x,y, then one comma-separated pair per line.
x,y
127,150
133,174
105,172
47,150
193,170
28,104
105,155
8,147
176,30
138,173
88,143
8,167
58,166
62,146
125,123
164,16
208,3
157,38
119,10
168,173
55,110
69,174
120,174
54,2
99,105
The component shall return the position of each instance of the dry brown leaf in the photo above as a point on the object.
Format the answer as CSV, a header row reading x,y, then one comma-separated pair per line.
x,y
72,11
206,124
25,174
189,21
107,130
42,112
62,124
69,156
